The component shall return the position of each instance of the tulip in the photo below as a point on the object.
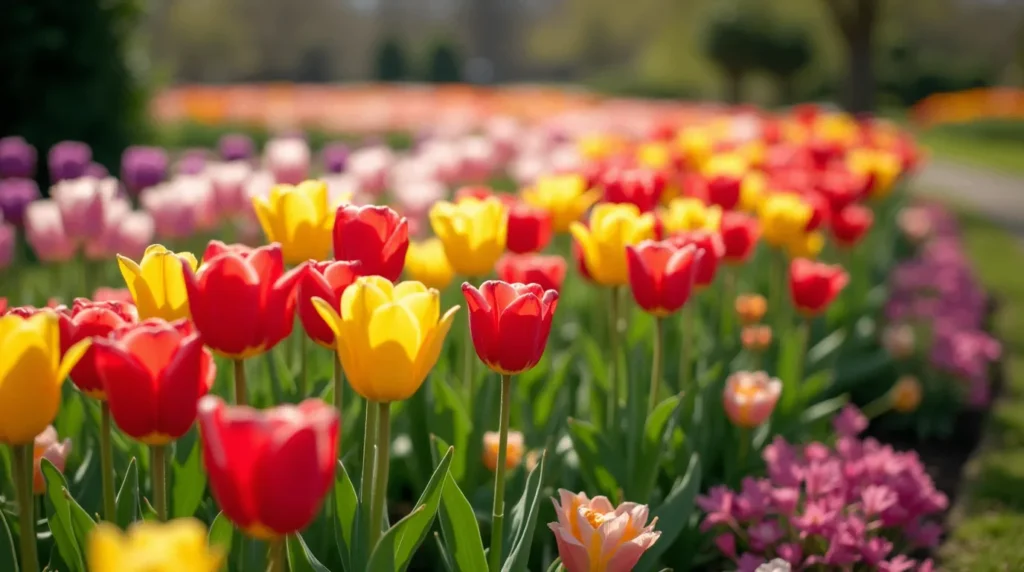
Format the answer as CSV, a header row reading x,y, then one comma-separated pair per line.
x,y
510,323
513,451
881,167
851,224
68,160
756,338
814,285
370,166
105,294
564,197
724,174
143,167
96,321
388,337
739,236
427,262
191,162
473,233
784,219
661,275
288,159
15,197
229,181
128,236
180,206
44,231
7,243
83,203
529,229
640,187
157,282
686,214
808,245
328,281
750,398
180,544
47,446
375,236
707,265
546,271
906,394
17,158
31,373
591,534
751,308
334,156
269,469
753,190
216,248
235,147
299,218
611,229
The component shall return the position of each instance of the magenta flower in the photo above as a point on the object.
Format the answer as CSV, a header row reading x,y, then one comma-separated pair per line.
x,y
68,160
15,196
17,158
235,147
143,167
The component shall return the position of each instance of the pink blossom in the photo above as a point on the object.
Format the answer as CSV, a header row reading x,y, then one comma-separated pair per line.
x,y
850,422
592,534
44,231
288,159
83,203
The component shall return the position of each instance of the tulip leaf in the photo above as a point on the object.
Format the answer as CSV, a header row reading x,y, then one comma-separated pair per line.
x,y
792,348
524,521
451,420
346,505
188,487
58,513
443,551
673,515
221,532
128,496
825,349
594,453
815,385
399,543
657,433
8,559
462,539
820,411
300,558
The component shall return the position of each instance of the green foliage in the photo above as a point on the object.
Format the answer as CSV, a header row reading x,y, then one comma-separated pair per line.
x,y
391,62
444,65
70,73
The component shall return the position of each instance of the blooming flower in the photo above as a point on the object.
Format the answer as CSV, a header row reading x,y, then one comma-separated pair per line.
x,y
593,535
47,446
513,450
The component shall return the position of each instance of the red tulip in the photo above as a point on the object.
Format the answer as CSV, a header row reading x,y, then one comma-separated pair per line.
x,y
714,249
546,271
851,224
327,280
269,469
26,312
477,192
636,186
661,275
216,247
821,215
376,236
581,262
814,285
724,189
510,323
739,236
88,319
529,229
243,304
153,374
3,305
841,187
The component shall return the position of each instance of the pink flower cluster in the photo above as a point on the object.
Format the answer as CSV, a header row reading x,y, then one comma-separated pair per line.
x,y
859,503
938,289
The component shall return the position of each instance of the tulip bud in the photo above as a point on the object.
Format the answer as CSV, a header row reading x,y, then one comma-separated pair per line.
x,y
751,308
813,285
68,160
510,323
906,394
750,398
426,262
756,338
17,158
564,197
591,534
48,447
513,450
898,340
15,197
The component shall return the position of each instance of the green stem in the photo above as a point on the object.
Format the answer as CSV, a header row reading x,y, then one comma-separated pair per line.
x,y
380,480
339,385
659,334
613,370
241,390
158,458
744,451
369,450
467,363
685,361
498,512
276,561
803,331
107,463
303,366
728,303
23,471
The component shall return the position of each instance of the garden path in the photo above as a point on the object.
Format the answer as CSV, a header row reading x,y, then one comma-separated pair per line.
x,y
998,196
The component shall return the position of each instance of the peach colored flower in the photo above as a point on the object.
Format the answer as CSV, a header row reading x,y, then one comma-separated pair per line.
x,y
48,447
750,397
513,450
592,535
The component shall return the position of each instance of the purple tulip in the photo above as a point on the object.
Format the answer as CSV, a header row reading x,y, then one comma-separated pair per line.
x,y
235,147
96,171
15,195
143,167
69,160
192,162
335,157
17,158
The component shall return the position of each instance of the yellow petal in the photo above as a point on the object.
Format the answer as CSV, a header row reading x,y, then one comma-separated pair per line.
x,y
433,343
29,392
268,218
426,307
71,358
130,271
329,315
105,549
394,340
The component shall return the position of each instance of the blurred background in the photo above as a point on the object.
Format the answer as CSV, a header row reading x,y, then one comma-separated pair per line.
x,y
179,72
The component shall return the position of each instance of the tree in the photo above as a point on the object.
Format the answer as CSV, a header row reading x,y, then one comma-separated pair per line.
x,y
733,43
444,65
785,53
856,21
391,62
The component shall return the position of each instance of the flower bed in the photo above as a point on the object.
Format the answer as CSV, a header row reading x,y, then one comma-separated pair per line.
x,y
682,318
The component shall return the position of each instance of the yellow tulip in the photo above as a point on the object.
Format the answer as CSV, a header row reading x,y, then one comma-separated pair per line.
x,y
157,283
612,228
599,146
697,145
473,233
388,336
426,262
838,127
883,167
687,213
752,191
564,197
298,217
726,165
153,547
784,218
654,155
806,245
31,374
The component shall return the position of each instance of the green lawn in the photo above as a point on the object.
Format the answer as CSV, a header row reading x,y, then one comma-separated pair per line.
x,y
988,521
998,149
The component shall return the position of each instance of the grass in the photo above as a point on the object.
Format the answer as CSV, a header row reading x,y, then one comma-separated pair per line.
x,y
988,531
1000,149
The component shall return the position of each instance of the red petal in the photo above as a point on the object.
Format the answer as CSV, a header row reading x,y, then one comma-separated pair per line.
x,y
289,483
519,334
181,386
131,391
233,439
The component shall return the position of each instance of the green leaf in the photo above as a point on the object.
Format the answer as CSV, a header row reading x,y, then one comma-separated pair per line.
x,y
524,521
59,518
461,531
822,410
346,504
674,514
792,349
8,559
188,484
443,551
128,496
657,433
825,349
221,535
815,385
594,452
450,419
300,558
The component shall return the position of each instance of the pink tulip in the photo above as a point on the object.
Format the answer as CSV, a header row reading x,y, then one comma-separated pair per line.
x,y
134,233
48,447
6,244
103,247
44,231
750,398
180,207
83,203
370,166
479,159
229,180
593,535
288,159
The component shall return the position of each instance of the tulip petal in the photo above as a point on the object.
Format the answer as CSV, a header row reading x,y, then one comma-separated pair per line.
x,y
182,383
329,315
233,441
29,394
426,307
519,334
409,287
573,554
394,342
130,388
268,221
71,357
431,349
289,487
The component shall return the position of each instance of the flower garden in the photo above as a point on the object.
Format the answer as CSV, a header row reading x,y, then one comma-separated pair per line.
x,y
553,344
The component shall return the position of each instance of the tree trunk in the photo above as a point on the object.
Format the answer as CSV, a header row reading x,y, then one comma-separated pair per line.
x,y
787,90
734,86
860,79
